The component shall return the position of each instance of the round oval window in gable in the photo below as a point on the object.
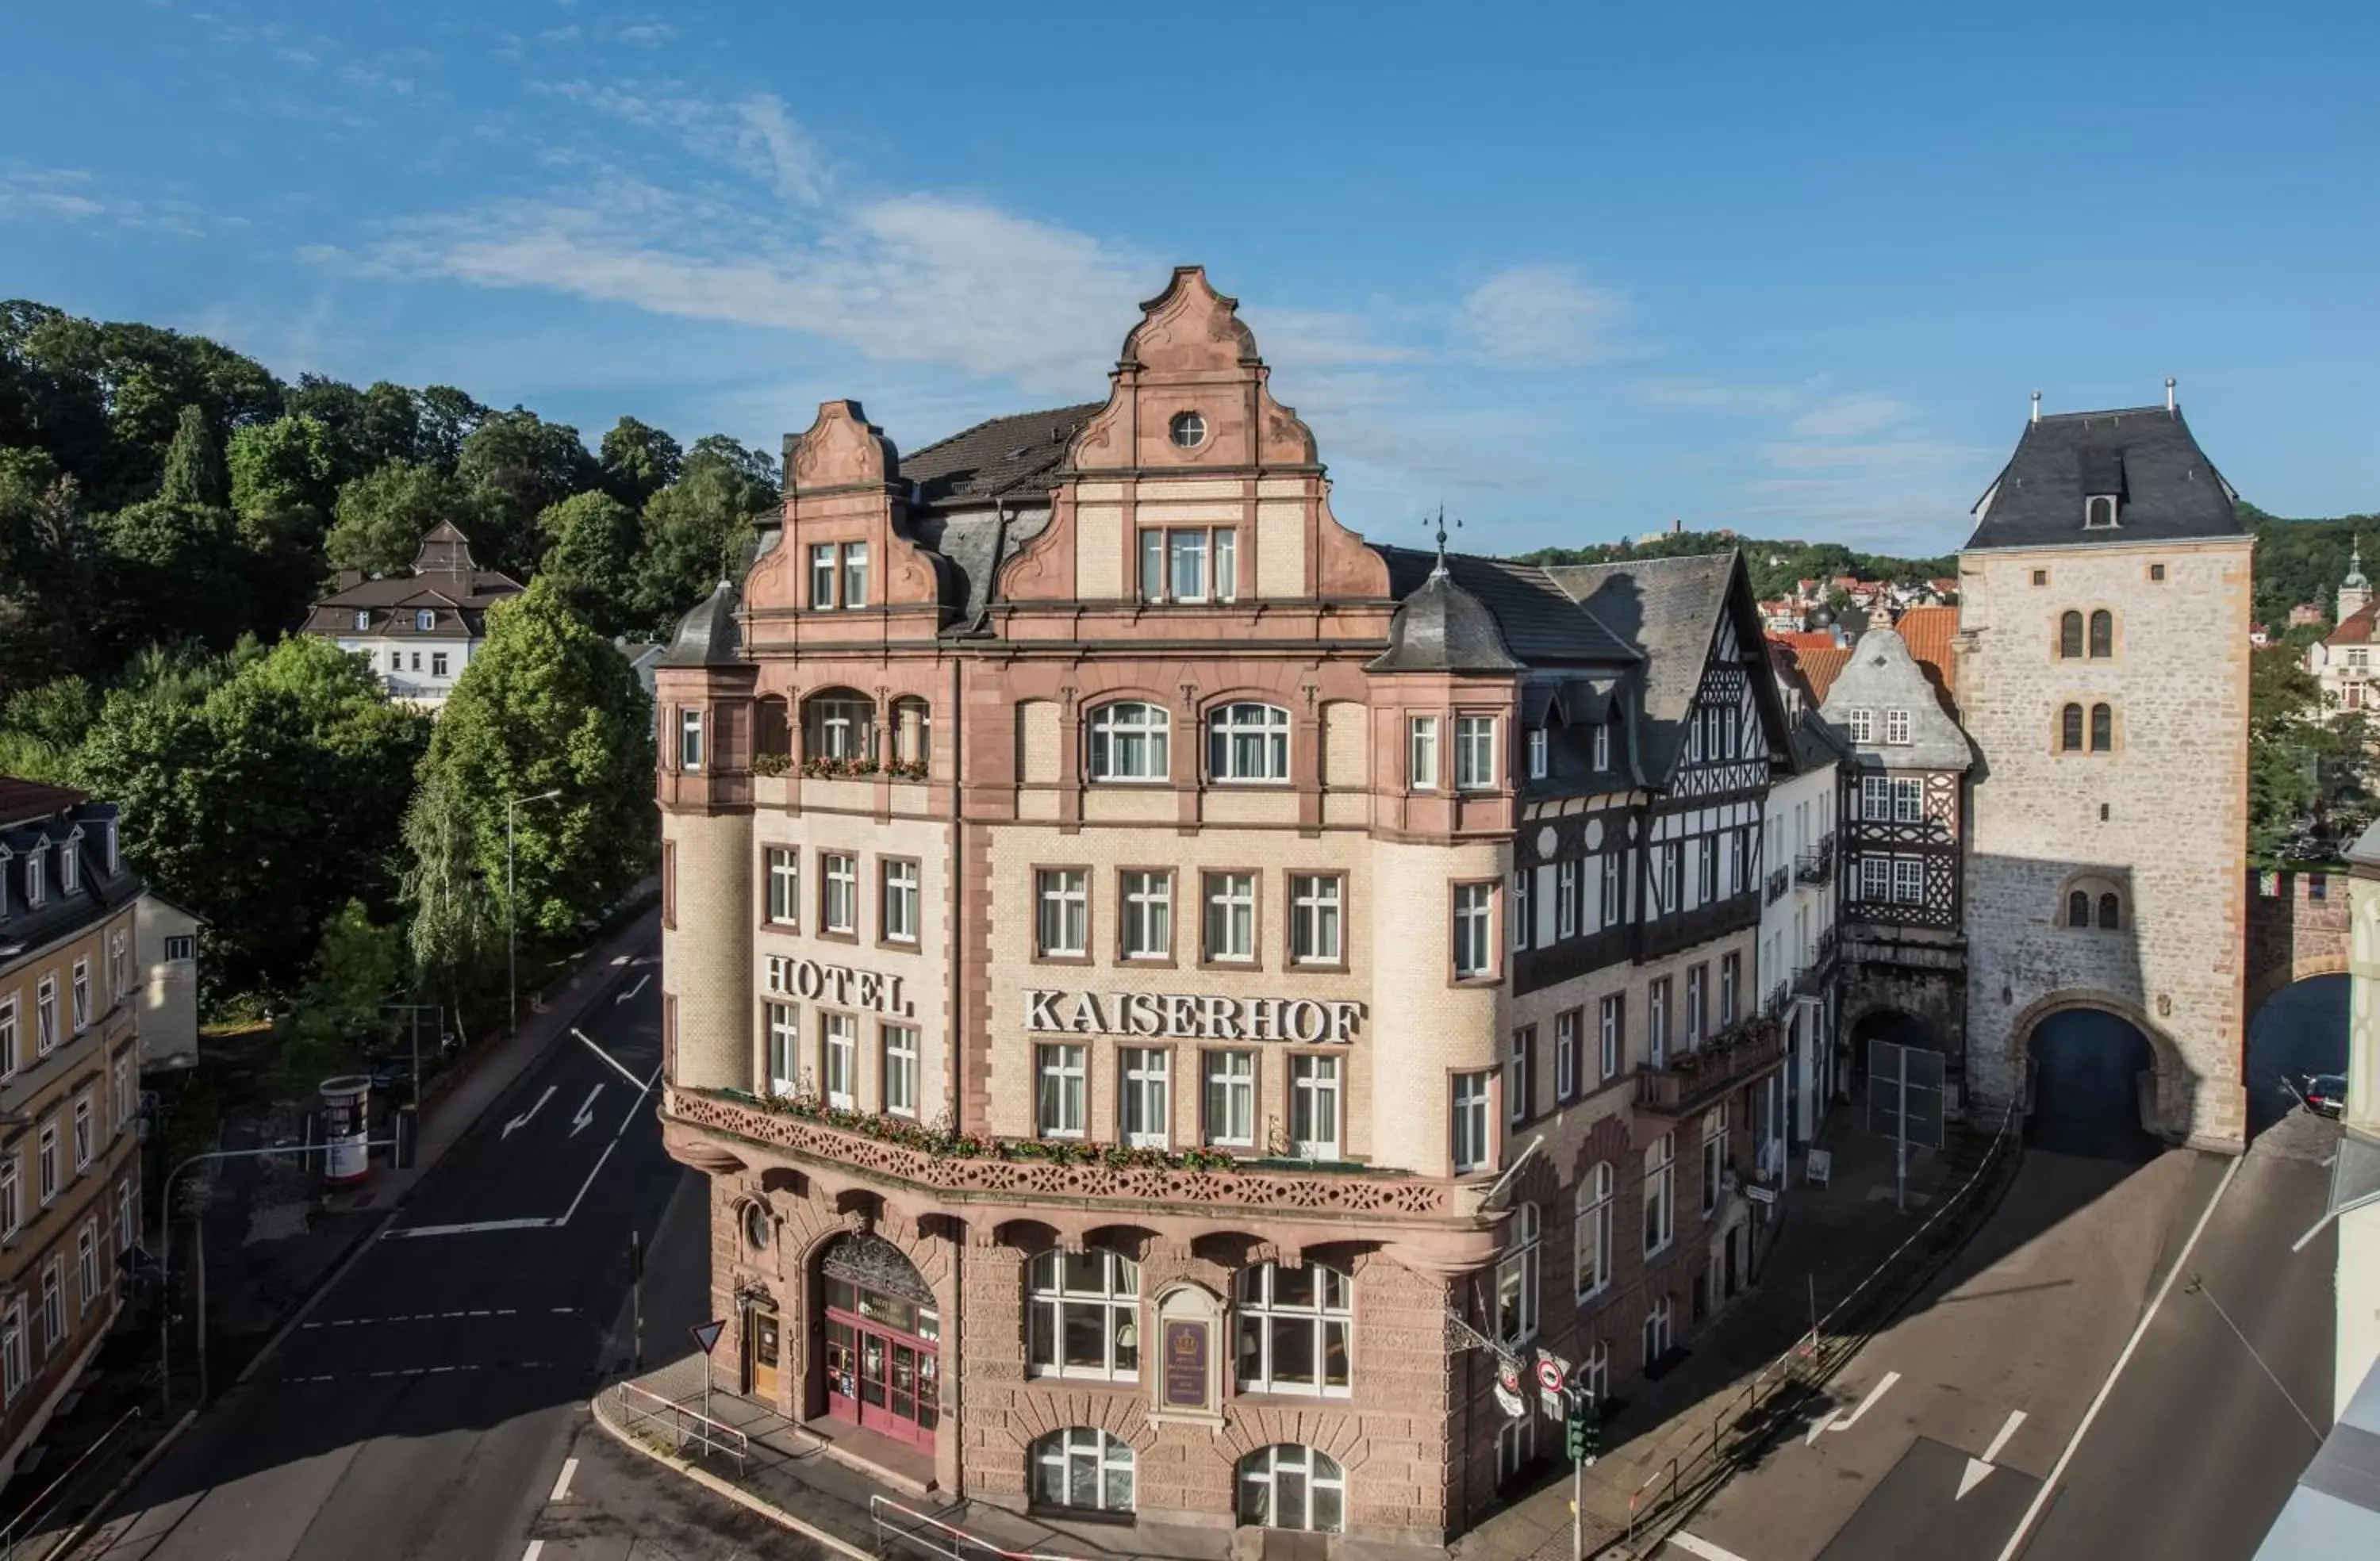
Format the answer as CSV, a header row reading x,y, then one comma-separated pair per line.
x,y
1189,429
756,1227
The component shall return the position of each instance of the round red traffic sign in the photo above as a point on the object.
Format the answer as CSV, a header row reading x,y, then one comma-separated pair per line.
x,y
1550,1375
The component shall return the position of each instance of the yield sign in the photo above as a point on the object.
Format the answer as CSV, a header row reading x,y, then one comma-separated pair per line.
x,y
707,1335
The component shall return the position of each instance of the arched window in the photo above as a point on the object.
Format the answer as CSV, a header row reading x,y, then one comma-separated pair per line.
x,y
1591,1232
839,723
1130,741
1247,742
2102,728
2100,511
913,731
1086,1316
2103,633
1516,1279
2069,729
1295,1327
1083,1467
2110,913
1286,1486
2078,908
2069,635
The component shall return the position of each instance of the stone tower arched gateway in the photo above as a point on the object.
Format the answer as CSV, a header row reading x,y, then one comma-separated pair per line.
x,y
2105,603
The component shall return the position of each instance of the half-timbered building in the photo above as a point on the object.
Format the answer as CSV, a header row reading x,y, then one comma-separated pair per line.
x,y
1172,996
1901,926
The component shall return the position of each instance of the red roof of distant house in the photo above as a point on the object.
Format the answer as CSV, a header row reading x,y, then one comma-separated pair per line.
x,y
1821,665
21,802
1945,587
1806,639
1928,631
2355,628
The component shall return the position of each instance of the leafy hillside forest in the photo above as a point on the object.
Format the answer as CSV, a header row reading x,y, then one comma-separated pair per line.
x,y
168,507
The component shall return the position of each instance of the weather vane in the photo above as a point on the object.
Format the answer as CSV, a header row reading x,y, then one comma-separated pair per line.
x,y
1440,521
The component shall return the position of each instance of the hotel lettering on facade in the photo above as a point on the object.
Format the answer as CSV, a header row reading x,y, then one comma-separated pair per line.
x,y
1139,957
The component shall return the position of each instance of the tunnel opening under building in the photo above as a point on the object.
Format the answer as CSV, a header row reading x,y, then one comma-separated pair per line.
x,y
2090,1073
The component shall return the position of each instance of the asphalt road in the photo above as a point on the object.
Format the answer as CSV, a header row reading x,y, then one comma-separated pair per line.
x,y
425,1407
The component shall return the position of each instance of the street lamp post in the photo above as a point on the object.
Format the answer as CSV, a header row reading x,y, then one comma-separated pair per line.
x,y
511,915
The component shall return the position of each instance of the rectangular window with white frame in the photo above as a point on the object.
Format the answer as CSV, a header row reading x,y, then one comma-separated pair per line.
x,y
900,1072
46,1158
8,1036
1611,1036
1472,1132
1909,880
78,989
15,1359
1730,978
1896,728
839,893
899,899
54,1306
785,886
689,740
1474,753
1566,900
45,1016
86,1266
128,1217
1875,878
854,575
83,1132
1147,919
1314,1114
1192,563
784,1048
1231,1099
120,968
1145,1106
1660,1193
1657,1022
1520,1075
1421,753
1714,1156
1523,917
1862,725
1062,1075
1908,799
1063,919
12,1204
1539,749
1602,750
1698,1004
1316,923
1230,917
1474,920
839,1060
1615,892
1566,1055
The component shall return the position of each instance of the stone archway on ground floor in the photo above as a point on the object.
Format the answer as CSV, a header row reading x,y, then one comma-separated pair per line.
x,y
2100,1080
2298,1027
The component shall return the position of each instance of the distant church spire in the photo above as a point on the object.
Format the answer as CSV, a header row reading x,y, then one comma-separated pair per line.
x,y
2355,591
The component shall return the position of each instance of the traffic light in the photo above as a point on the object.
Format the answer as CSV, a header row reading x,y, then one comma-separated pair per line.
x,y
1585,1431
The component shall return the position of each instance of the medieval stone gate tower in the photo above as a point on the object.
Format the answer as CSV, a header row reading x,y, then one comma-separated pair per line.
x,y
2103,663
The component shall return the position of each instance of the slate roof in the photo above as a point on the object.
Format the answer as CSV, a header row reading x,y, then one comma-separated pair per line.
x,y
2166,489
21,802
708,635
998,456
1665,609
445,579
1539,620
35,817
1882,675
1443,628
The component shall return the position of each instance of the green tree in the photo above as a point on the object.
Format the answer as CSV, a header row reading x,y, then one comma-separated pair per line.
x,y
262,797
696,527
281,468
593,559
356,969
381,516
453,920
58,712
49,567
639,461
548,704
171,571
194,465
518,467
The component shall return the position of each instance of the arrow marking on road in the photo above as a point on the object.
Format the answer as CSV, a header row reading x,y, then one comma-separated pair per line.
x,y
1978,1469
1878,1391
641,983
586,1111
522,1120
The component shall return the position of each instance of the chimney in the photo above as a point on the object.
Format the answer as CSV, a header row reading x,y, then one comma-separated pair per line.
x,y
2169,395
2036,407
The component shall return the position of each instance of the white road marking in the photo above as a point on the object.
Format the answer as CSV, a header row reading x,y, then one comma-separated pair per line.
x,y
1703,1548
473,1228
562,1483
416,1317
607,1057
586,1111
632,991
1878,1391
535,1548
2139,1331
522,1120
1992,1453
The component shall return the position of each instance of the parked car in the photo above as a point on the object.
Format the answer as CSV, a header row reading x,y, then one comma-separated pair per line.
x,y
2325,1094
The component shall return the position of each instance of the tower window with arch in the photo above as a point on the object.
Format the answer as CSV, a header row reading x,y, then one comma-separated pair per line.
x,y
2069,730
2103,633
2103,729
2069,635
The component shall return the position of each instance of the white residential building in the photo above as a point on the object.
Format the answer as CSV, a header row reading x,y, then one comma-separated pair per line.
x,y
421,629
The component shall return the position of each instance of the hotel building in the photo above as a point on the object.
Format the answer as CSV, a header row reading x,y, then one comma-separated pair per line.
x,y
1169,994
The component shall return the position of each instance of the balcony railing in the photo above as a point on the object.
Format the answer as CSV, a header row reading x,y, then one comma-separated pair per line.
x,y
1780,997
1694,1079
1777,881
1824,954
965,1168
1815,866
1808,980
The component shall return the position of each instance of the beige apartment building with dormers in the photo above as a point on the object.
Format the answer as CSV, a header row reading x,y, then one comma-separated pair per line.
x,y
1170,995
69,1072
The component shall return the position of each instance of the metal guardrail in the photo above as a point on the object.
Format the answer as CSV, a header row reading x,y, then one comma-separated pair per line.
x,y
25,1524
640,1408
932,1535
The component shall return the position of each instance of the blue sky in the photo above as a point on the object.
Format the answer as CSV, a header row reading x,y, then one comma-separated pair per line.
x,y
1573,271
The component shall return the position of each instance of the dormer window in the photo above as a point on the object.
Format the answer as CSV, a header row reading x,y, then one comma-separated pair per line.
x,y
1602,748
2099,511
425,620
363,620
1538,746
36,879
70,864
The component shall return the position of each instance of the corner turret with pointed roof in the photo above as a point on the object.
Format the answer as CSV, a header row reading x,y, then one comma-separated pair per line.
x,y
444,551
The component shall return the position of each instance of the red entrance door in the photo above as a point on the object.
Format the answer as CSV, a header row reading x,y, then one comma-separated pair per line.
x,y
885,1379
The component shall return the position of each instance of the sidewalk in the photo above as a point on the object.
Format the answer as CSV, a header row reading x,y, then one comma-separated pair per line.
x,y
1832,1237
274,1241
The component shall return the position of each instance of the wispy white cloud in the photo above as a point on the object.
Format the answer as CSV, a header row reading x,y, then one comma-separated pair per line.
x,y
1848,416
1538,317
1715,396
71,195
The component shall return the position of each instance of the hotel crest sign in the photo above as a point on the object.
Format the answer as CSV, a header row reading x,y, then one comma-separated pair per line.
x,y
1185,1016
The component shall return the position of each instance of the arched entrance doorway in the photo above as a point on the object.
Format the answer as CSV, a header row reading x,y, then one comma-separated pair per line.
x,y
2299,1030
880,1332
1890,1025
2090,1069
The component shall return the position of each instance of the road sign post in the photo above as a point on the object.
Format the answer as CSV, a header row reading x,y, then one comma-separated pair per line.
x,y
707,1335
637,1296
1905,1101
